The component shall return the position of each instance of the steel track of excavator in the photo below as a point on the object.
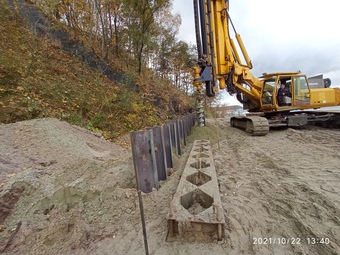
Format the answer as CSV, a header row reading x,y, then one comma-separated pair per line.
x,y
254,125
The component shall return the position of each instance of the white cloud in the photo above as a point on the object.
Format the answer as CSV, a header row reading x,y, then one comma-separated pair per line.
x,y
282,36
186,10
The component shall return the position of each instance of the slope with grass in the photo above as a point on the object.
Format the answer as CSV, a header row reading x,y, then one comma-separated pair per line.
x,y
39,78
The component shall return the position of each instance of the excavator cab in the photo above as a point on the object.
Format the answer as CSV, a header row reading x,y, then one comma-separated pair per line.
x,y
296,92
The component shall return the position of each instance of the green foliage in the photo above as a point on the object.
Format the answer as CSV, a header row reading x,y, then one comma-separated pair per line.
x,y
97,120
72,118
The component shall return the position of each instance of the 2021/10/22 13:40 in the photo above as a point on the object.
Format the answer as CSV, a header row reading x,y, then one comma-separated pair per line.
x,y
291,241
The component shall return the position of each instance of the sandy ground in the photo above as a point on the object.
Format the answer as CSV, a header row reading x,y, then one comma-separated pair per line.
x,y
65,190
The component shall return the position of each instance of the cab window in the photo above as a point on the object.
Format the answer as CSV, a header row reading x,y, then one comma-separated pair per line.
x,y
267,94
301,90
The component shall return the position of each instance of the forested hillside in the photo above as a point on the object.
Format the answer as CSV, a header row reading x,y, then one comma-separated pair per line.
x,y
110,66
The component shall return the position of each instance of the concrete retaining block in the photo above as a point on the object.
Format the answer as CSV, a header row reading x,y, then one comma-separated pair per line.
x,y
195,211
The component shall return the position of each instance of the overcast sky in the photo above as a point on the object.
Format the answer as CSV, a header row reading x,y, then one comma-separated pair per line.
x,y
281,36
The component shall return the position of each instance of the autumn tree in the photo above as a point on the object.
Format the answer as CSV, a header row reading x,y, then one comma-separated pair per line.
x,y
145,30
168,27
141,25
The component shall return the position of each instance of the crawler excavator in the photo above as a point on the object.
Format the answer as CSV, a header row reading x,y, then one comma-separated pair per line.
x,y
220,66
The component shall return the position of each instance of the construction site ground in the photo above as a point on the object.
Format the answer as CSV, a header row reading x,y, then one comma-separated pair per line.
x,y
65,190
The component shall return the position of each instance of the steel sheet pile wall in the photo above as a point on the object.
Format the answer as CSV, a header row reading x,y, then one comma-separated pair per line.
x,y
152,150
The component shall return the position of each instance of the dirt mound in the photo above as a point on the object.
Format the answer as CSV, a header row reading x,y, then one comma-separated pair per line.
x,y
48,168
65,190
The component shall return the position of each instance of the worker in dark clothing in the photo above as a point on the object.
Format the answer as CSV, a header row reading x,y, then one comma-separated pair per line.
x,y
282,93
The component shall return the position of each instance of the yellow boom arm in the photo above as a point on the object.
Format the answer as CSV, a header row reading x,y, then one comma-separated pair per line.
x,y
221,56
